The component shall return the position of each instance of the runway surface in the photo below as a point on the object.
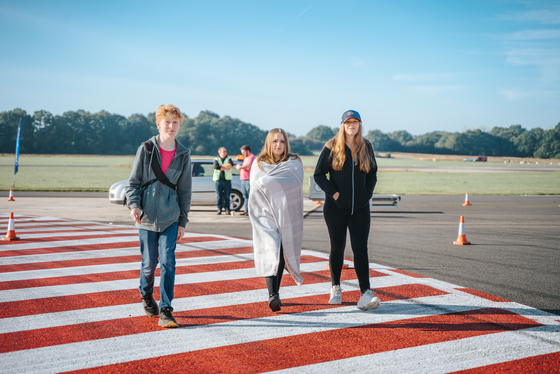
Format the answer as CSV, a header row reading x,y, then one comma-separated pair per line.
x,y
69,302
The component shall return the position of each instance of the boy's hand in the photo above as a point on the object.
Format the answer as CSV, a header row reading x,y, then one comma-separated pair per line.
x,y
180,233
135,214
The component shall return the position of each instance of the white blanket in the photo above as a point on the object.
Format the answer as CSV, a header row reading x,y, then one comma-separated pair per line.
x,y
276,212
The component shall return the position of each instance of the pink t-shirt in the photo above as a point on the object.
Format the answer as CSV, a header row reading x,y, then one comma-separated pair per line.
x,y
246,172
166,157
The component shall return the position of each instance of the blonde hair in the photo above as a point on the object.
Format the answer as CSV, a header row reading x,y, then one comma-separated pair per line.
x,y
267,155
361,151
166,109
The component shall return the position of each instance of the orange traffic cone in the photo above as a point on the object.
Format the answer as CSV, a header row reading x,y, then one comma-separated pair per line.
x,y
462,238
11,198
317,202
11,235
466,203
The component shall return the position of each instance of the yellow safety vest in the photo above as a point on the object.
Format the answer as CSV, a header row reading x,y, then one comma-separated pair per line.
x,y
227,173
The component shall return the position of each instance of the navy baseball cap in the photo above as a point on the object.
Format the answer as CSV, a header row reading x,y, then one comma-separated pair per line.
x,y
350,114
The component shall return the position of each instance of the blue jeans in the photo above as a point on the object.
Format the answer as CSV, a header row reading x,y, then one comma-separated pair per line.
x,y
153,245
223,189
246,189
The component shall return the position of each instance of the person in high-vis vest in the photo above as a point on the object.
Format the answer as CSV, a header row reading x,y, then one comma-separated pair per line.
x,y
222,179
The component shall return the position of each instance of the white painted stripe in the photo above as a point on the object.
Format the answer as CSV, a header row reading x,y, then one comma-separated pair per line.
x,y
110,268
69,256
454,300
445,357
101,253
115,350
72,317
128,284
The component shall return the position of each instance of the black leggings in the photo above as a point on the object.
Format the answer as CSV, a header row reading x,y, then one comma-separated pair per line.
x,y
273,281
358,225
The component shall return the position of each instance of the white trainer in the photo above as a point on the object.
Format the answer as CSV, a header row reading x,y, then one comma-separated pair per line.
x,y
368,301
336,295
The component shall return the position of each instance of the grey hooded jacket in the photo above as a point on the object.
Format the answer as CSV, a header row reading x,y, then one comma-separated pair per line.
x,y
161,206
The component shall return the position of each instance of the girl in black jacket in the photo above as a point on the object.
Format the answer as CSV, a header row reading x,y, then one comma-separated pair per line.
x,y
349,160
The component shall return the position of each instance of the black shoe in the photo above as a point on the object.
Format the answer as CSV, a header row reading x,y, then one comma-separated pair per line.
x,y
150,305
166,319
228,212
274,303
219,212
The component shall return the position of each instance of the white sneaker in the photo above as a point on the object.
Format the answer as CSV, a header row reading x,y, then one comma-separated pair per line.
x,y
368,301
336,295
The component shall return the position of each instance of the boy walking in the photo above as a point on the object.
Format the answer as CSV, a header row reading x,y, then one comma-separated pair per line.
x,y
158,193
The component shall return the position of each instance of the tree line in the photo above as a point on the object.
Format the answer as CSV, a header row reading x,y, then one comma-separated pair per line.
x,y
513,141
103,133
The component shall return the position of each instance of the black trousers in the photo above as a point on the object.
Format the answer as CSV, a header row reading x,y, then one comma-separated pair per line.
x,y
357,225
273,282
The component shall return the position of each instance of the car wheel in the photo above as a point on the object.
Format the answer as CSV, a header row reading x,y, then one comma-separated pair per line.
x,y
236,201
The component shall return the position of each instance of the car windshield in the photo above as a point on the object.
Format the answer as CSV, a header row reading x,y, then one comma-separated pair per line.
x,y
206,169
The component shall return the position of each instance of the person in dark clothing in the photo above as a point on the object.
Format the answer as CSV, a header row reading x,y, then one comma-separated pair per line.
x,y
349,160
222,178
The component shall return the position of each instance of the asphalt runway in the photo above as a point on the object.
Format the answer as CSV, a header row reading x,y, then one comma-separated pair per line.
x,y
515,251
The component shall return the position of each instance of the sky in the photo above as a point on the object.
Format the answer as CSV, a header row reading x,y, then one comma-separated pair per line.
x,y
419,66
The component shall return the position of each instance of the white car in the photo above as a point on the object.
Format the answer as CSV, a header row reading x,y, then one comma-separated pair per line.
x,y
204,190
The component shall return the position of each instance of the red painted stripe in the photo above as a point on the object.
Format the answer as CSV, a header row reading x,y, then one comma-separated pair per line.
x,y
404,272
60,238
128,326
89,247
120,259
100,299
131,274
195,239
548,363
309,349
70,248
484,295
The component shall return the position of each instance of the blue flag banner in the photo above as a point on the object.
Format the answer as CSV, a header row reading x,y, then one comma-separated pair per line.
x,y
17,146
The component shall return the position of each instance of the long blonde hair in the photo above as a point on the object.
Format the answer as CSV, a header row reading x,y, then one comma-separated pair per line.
x,y
267,155
361,151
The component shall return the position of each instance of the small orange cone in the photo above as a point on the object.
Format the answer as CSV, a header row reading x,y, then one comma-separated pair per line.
x,y
11,235
462,238
318,202
466,203
11,198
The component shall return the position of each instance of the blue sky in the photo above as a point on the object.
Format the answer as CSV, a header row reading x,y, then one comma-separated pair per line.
x,y
419,66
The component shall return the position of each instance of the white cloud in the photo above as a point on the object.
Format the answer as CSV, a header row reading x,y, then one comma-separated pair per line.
x,y
514,94
435,90
356,62
545,16
532,35
429,77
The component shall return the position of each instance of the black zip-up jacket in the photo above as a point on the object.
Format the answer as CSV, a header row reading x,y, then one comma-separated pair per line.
x,y
355,187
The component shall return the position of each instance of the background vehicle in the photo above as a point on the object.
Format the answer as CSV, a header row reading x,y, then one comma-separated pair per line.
x,y
476,159
204,191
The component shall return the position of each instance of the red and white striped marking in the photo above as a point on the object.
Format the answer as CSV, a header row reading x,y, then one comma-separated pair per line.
x,y
69,301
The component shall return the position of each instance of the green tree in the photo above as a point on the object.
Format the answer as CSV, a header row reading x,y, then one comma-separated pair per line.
x,y
321,132
528,142
382,142
550,146
401,136
8,128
